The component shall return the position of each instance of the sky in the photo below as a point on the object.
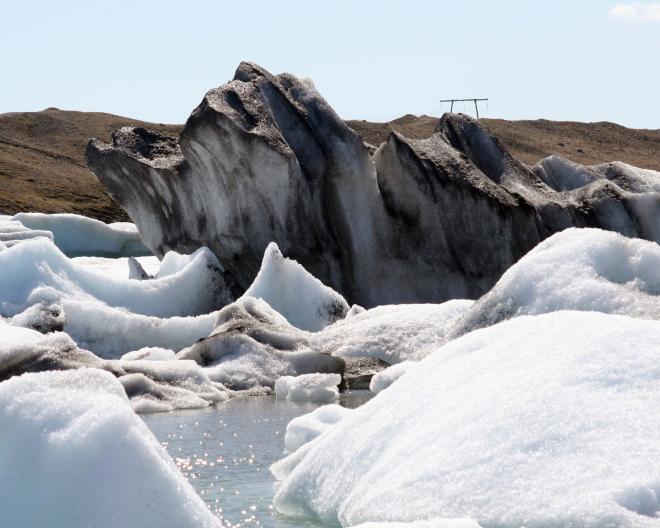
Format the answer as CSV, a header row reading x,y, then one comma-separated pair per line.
x,y
581,60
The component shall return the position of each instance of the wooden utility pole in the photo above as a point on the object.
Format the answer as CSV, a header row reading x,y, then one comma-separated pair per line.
x,y
475,100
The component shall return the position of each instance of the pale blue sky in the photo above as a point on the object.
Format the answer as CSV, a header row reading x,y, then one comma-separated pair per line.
x,y
584,60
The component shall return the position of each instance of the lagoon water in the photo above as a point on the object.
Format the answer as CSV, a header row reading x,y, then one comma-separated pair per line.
x,y
225,452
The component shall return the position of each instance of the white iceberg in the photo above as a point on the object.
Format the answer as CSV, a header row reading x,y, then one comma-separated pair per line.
x,y
74,454
118,268
296,294
315,387
392,333
111,315
78,235
38,267
150,354
577,269
385,378
538,421
305,428
112,332
13,232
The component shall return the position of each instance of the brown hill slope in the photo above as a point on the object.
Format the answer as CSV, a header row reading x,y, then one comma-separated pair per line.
x,y
42,164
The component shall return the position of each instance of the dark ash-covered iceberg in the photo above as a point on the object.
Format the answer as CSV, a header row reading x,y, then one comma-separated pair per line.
x,y
264,158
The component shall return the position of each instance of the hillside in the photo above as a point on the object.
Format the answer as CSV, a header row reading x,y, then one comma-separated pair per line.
x,y
42,164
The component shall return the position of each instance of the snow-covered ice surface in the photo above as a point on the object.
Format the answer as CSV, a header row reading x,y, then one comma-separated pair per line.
x,y
73,453
253,345
37,269
117,268
22,346
318,388
562,174
150,354
385,378
77,235
538,421
24,350
13,232
152,378
108,314
305,428
577,269
113,332
630,177
296,294
392,333
166,385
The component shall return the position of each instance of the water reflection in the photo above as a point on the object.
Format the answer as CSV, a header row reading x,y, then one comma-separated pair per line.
x,y
225,453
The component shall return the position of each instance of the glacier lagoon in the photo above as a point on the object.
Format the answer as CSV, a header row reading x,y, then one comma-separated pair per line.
x,y
225,452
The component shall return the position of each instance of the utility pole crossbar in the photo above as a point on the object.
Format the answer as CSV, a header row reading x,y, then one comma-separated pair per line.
x,y
475,100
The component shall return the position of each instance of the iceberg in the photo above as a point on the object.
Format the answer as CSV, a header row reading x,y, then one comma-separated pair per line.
x,y
392,333
537,421
25,350
318,388
78,235
166,385
292,291
44,317
152,378
264,158
148,396
386,377
112,332
38,267
107,314
562,174
13,232
305,428
252,346
119,267
577,269
74,454
150,354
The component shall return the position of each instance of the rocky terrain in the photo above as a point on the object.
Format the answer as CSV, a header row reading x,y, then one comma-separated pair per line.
x,y
264,158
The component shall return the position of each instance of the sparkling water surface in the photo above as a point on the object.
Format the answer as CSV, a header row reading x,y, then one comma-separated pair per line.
x,y
225,452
